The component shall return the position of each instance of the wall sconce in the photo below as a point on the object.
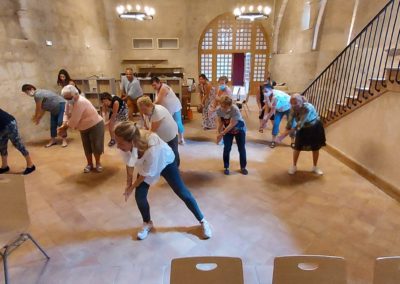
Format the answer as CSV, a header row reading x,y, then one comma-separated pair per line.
x,y
49,43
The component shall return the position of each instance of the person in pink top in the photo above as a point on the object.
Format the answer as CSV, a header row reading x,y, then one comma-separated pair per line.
x,y
80,114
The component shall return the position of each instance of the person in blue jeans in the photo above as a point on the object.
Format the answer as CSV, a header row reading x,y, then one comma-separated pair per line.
x,y
47,101
152,158
278,104
231,125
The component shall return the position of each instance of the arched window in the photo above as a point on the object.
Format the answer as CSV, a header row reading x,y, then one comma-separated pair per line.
x,y
236,49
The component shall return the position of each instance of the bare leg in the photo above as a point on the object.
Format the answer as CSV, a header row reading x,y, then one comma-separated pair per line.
x,y
111,128
296,155
29,162
89,159
315,156
4,162
97,158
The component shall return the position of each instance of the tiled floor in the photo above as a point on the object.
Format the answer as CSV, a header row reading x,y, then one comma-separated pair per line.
x,y
89,231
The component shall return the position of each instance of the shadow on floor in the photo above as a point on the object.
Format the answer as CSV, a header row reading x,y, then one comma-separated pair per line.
x,y
91,180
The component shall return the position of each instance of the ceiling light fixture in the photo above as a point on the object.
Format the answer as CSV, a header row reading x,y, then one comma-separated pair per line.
x,y
127,12
251,13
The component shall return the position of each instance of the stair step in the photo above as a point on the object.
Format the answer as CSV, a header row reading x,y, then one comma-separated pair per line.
x,y
378,79
392,69
362,89
393,51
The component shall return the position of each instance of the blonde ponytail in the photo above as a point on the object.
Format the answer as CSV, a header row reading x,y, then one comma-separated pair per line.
x,y
128,131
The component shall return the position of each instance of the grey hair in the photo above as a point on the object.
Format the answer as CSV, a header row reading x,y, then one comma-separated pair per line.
x,y
300,100
69,89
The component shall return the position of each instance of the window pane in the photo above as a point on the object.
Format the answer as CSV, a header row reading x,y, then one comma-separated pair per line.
x,y
224,65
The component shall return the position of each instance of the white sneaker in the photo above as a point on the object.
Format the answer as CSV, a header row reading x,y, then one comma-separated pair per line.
x,y
317,171
292,170
145,230
207,233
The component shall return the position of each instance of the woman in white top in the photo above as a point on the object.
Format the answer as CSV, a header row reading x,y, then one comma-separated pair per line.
x,y
152,158
166,97
157,119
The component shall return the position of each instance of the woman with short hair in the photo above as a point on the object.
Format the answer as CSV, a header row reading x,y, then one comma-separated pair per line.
x,y
47,101
310,133
118,112
231,125
85,118
152,158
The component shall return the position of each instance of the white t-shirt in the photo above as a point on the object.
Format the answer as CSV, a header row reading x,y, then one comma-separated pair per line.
x,y
168,128
154,160
171,102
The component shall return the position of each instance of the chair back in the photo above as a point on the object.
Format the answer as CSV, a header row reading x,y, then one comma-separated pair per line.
x,y
309,269
210,270
14,217
387,270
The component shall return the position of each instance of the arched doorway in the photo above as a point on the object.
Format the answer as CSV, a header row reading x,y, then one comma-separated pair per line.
x,y
228,47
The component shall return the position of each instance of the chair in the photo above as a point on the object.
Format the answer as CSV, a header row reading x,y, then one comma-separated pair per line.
x,y
309,269
387,270
14,218
210,270
239,91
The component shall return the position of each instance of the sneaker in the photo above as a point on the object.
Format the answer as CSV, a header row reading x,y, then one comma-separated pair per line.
x,y
4,170
292,170
226,172
205,226
244,171
29,170
272,145
317,171
88,169
99,168
145,230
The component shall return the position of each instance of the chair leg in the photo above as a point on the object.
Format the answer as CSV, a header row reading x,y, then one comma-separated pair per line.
x,y
4,257
37,245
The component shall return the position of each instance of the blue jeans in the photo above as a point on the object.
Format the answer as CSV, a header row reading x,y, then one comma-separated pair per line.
x,y
173,144
174,179
277,121
178,119
56,120
240,141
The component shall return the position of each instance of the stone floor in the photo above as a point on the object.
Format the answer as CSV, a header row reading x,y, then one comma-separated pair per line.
x,y
89,230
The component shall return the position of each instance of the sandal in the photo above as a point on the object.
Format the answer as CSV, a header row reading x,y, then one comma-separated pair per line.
x,y
272,145
261,130
111,143
50,144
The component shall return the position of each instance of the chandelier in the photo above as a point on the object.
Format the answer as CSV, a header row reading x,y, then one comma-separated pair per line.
x,y
127,12
251,13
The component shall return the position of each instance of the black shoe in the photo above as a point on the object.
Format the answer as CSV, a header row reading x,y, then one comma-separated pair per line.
x,y
29,170
226,171
4,170
244,171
